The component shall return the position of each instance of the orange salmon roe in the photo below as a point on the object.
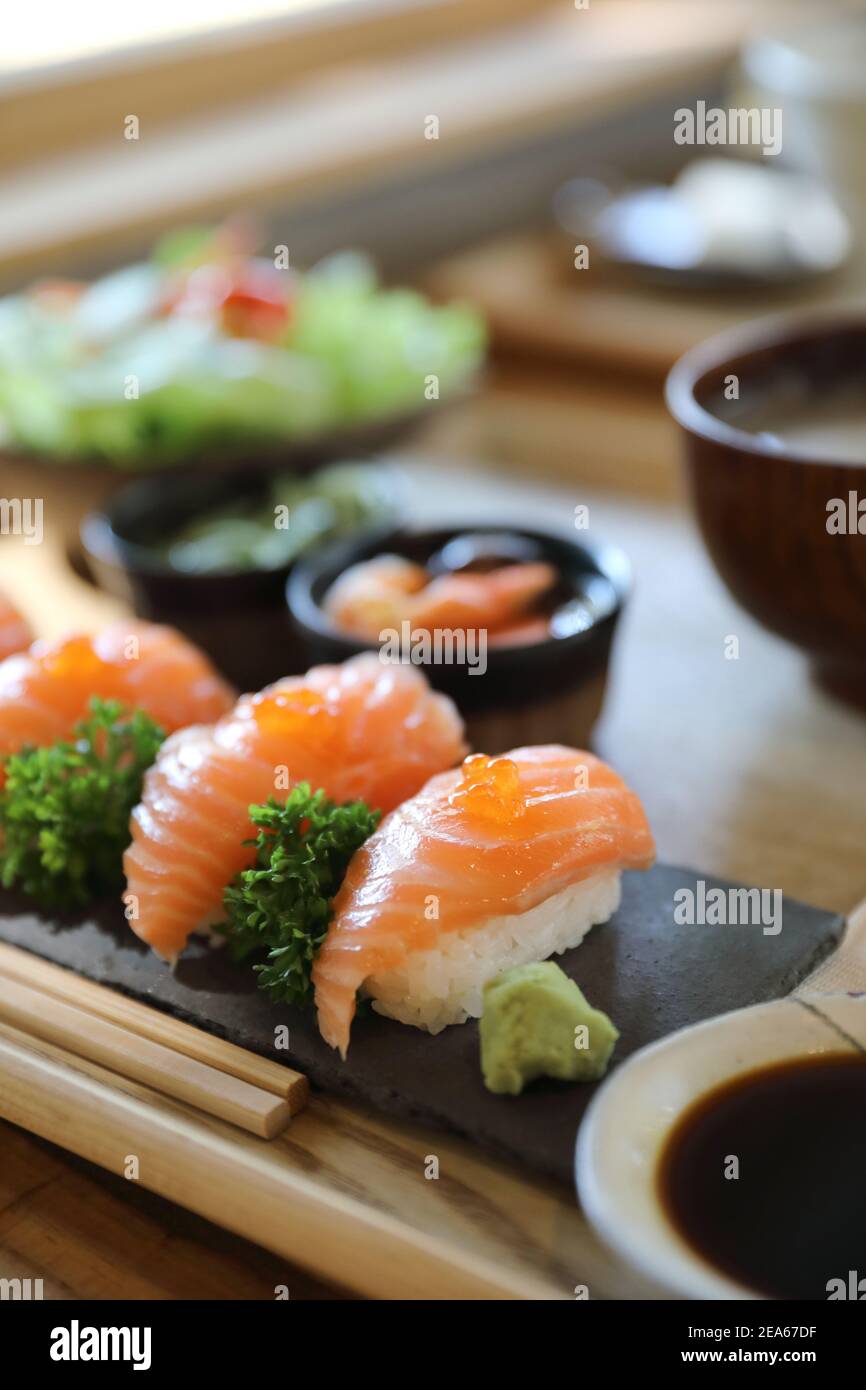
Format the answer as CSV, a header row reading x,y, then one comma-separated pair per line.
x,y
490,789
76,659
292,711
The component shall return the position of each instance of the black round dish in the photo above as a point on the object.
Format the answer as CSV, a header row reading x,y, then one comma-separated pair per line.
x,y
237,616
548,691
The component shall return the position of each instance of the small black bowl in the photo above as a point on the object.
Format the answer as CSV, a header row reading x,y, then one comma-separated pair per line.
x,y
549,691
237,616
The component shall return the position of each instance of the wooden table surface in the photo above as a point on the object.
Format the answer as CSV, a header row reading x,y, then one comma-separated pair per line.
x,y
746,769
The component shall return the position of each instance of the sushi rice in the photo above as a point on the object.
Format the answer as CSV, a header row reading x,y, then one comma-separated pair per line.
x,y
438,987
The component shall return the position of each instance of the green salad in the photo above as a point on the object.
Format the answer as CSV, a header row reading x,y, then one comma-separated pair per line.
x,y
207,346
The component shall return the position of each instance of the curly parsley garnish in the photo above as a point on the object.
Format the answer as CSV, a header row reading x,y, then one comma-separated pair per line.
x,y
283,903
64,810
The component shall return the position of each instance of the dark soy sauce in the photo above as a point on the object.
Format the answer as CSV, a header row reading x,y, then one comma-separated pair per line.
x,y
795,1218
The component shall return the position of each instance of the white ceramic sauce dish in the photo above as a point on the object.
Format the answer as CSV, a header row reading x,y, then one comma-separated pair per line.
x,y
627,1127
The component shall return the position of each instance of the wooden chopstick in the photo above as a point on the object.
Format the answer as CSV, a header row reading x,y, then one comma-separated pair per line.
x,y
259,1190
92,998
140,1059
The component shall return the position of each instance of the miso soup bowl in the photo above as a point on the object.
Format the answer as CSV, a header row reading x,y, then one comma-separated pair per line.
x,y
762,507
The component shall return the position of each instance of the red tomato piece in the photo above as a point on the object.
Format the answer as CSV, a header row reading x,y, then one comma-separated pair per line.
x,y
257,304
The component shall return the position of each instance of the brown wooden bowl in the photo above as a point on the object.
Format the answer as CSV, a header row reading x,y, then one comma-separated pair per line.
x,y
763,509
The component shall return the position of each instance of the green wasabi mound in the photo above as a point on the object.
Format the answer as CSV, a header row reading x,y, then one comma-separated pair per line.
x,y
536,1022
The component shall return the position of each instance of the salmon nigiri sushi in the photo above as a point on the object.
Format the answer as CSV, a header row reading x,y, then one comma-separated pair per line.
x,y
361,731
502,862
15,632
46,690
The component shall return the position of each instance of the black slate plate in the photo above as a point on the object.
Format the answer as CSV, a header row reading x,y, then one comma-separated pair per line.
x,y
651,975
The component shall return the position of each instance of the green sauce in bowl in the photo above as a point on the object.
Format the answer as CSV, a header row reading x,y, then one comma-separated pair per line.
x,y
270,532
